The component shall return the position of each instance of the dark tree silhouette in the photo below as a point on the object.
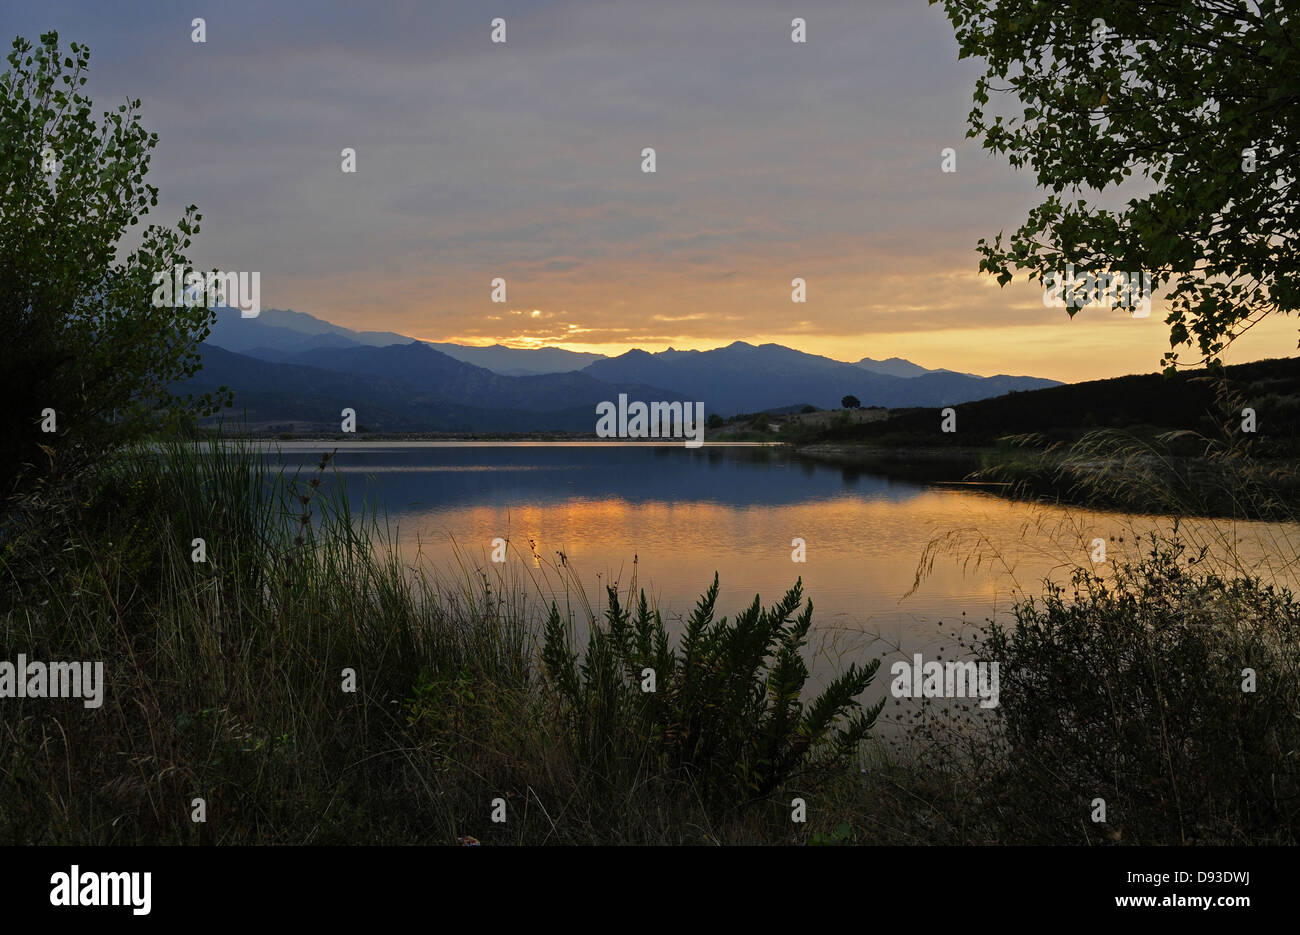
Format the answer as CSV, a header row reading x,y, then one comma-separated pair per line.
x,y
1195,102
87,359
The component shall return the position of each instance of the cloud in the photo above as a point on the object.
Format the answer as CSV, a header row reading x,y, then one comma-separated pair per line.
x,y
522,160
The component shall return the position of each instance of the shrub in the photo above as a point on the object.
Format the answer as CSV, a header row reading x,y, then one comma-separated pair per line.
x,y
1131,690
725,711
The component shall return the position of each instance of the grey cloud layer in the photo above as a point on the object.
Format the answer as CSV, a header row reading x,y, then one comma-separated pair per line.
x,y
524,158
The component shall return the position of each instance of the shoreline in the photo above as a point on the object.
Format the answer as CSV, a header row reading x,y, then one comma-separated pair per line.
x,y
1024,475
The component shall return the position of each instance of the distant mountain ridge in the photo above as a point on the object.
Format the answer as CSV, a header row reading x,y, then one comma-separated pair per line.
x,y
283,330
518,361
294,367
744,378
898,367
279,334
430,371
299,397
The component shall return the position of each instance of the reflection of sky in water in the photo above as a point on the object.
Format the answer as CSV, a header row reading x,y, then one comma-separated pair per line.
x,y
682,514
441,468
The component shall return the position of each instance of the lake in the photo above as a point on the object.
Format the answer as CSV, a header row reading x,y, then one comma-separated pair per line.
x,y
671,516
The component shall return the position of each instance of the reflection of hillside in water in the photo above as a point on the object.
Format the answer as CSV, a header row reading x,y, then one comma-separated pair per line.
x,y
531,475
669,517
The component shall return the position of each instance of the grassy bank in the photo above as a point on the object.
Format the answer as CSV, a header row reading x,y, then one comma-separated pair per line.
x,y
1104,469
226,682
1219,443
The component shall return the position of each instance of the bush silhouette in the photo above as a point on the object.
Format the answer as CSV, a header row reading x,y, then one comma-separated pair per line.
x,y
725,710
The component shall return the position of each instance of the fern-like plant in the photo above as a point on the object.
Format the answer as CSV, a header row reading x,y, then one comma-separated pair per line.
x,y
726,708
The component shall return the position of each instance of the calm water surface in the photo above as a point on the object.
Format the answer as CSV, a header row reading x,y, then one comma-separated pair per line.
x,y
672,516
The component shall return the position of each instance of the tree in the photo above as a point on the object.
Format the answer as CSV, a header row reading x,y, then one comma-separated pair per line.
x,y
1188,108
83,339
714,421
850,402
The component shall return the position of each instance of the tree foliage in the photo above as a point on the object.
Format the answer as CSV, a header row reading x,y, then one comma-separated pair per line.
x,y
1189,108
81,335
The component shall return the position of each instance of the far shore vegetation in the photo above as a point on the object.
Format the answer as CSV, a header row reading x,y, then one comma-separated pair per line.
x,y
1085,444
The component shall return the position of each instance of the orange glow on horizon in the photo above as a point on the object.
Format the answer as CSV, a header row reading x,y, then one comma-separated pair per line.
x,y
1070,350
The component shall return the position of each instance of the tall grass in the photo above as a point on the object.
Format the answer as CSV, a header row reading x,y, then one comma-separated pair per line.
x,y
225,675
226,683
226,679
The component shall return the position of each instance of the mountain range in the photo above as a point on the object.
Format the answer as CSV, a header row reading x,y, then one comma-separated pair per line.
x,y
292,370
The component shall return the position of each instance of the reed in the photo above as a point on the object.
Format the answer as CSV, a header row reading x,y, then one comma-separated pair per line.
x,y
225,682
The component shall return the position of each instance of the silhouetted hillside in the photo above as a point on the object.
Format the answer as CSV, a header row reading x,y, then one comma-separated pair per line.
x,y
295,394
431,371
743,378
1146,404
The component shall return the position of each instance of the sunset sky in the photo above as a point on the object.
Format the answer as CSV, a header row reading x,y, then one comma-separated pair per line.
x,y
775,160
